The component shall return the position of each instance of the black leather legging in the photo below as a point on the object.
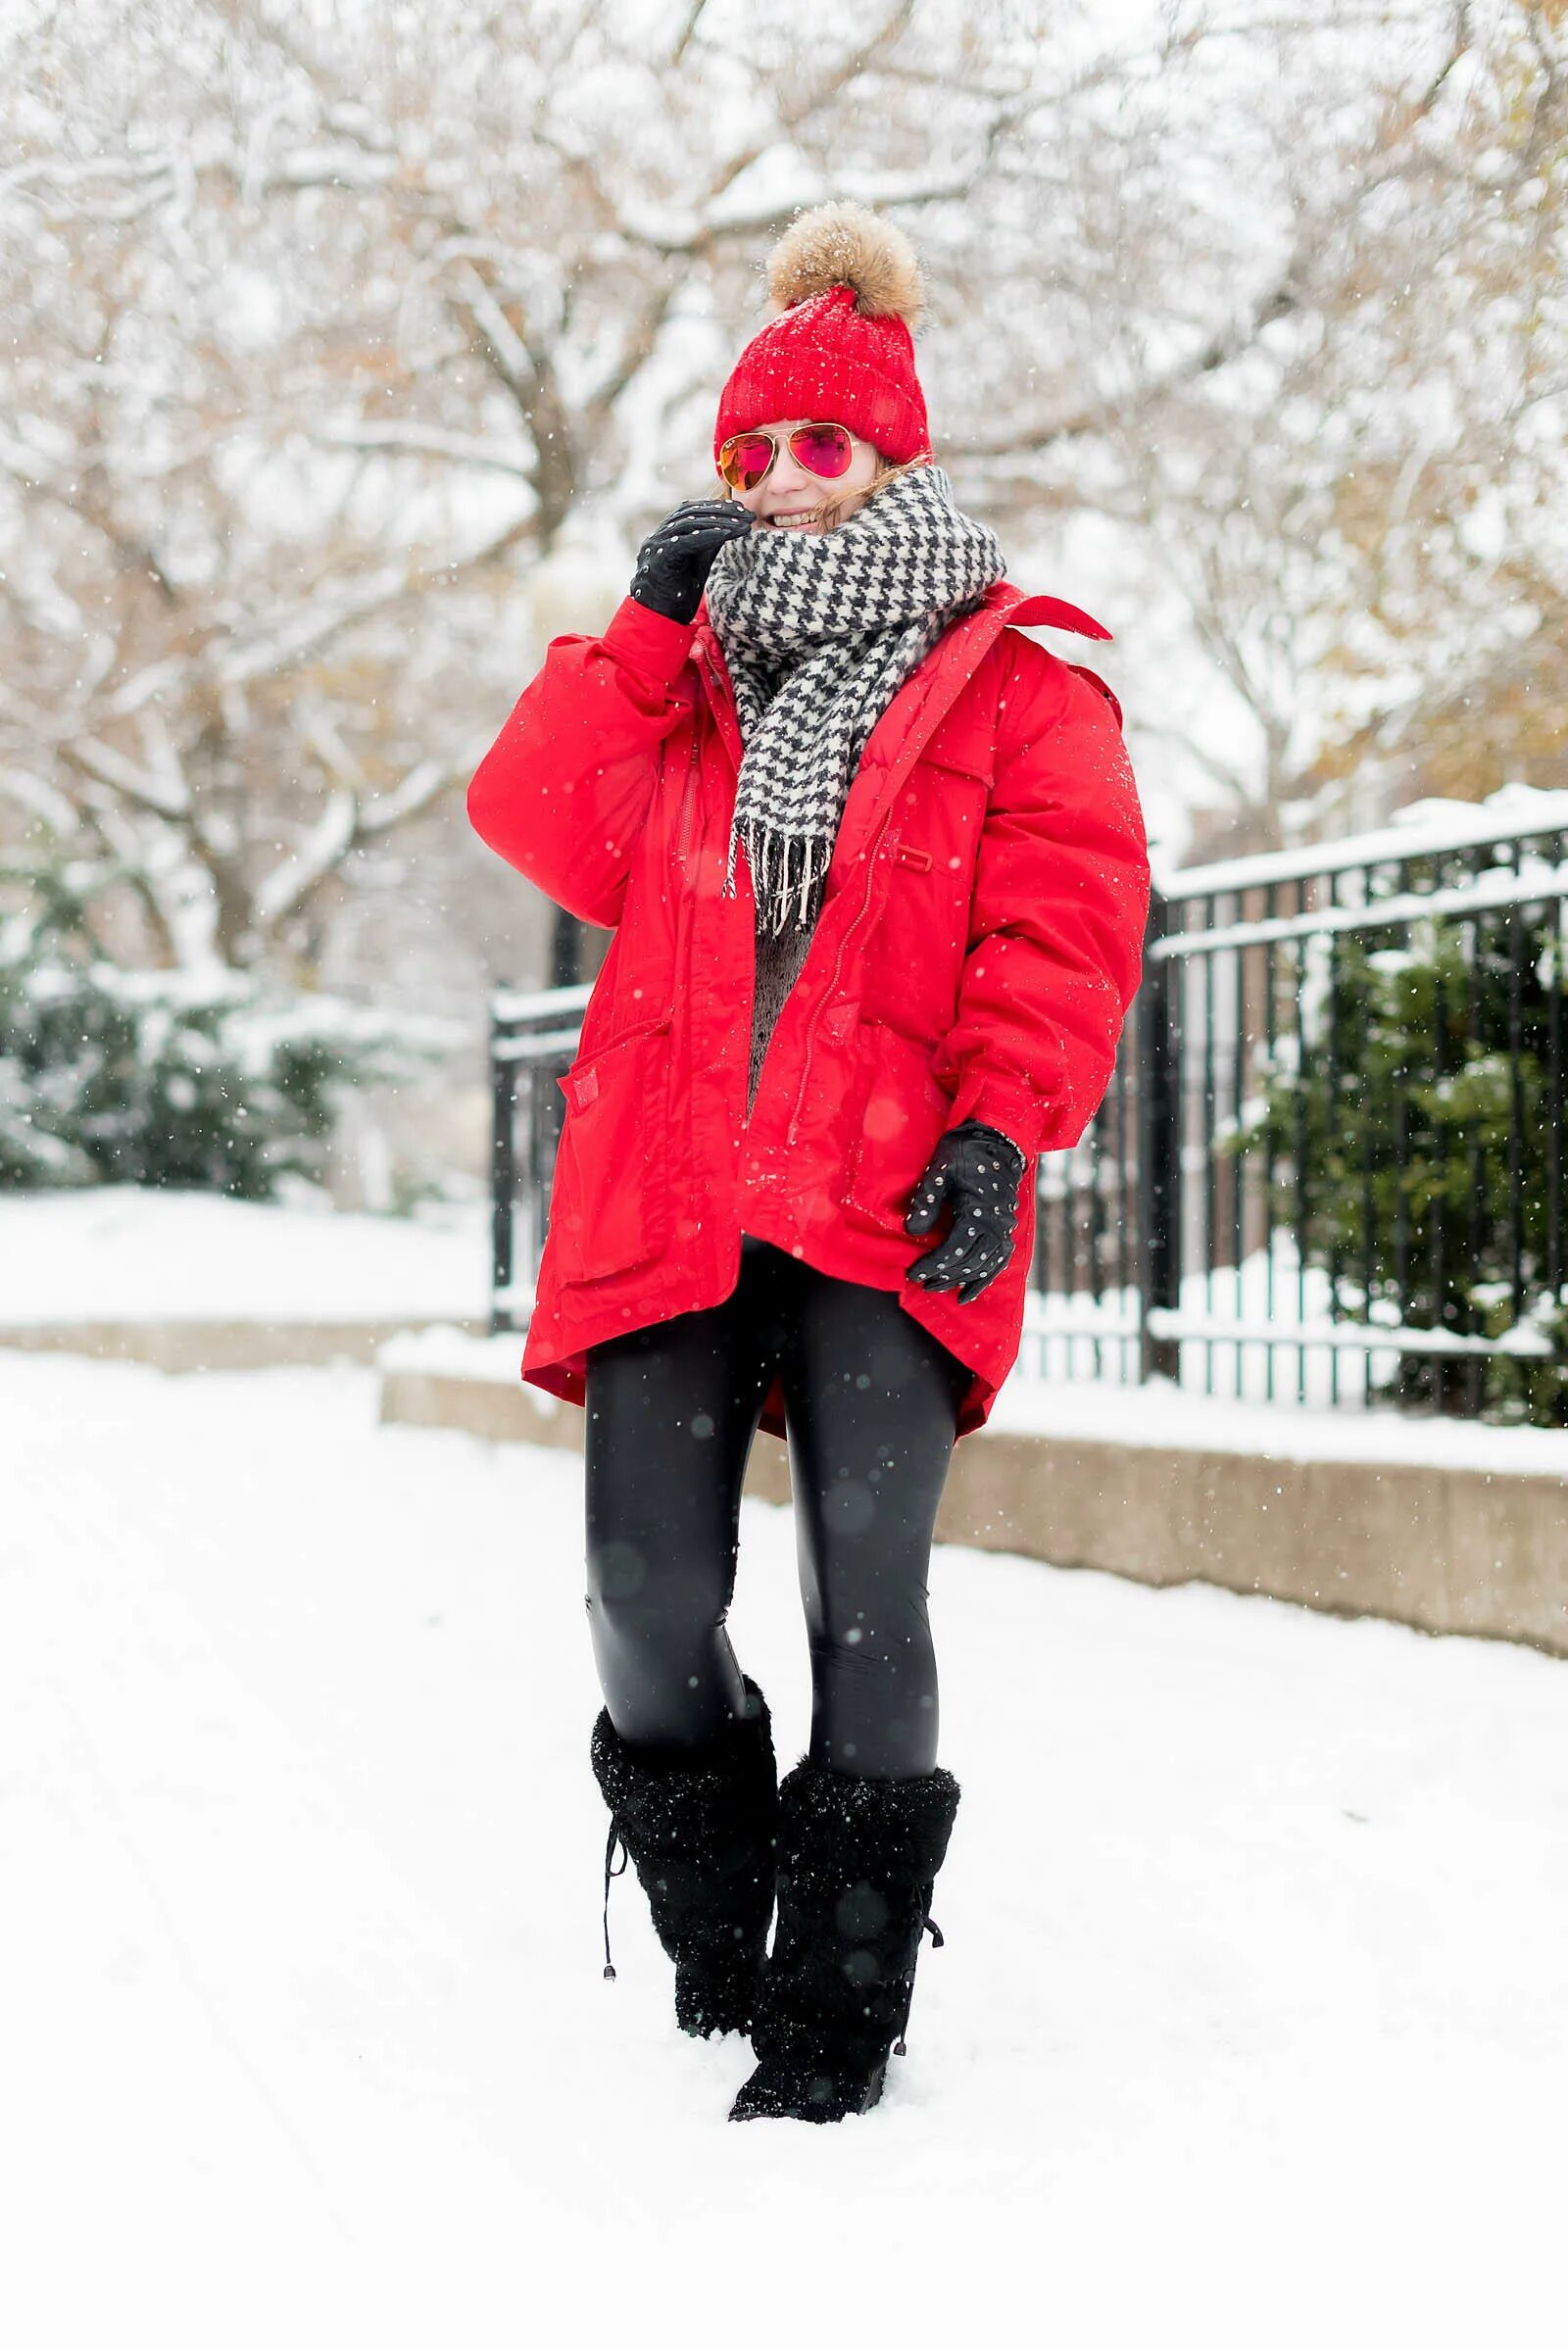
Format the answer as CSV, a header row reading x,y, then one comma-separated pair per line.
x,y
870,1403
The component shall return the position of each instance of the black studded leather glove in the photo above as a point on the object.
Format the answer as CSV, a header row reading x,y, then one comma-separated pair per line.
x,y
979,1170
674,559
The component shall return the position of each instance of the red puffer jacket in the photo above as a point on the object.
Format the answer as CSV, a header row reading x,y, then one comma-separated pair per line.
x,y
979,943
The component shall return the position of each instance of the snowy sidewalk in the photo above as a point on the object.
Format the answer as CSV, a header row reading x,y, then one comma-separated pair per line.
x,y
1249,2029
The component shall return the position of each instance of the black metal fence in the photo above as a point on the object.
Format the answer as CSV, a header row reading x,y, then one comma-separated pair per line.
x,y
1329,1165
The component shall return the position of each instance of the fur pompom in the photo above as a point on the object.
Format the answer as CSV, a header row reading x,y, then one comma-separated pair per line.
x,y
846,244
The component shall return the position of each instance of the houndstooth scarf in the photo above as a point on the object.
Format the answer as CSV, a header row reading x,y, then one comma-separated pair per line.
x,y
819,633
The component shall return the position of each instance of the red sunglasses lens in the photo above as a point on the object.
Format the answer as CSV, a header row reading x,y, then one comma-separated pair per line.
x,y
823,449
826,450
745,460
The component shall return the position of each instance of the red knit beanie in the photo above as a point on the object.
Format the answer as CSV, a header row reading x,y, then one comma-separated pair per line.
x,y
845,291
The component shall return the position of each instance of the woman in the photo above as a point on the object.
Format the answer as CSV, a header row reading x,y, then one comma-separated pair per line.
x,y
876,872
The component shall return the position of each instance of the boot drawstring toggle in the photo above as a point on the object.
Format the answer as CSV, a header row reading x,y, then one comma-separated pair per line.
x,y
901,2045
610,1853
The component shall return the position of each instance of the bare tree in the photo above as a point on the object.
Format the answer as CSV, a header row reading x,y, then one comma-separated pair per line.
x,y
1358,509
339,344
319,340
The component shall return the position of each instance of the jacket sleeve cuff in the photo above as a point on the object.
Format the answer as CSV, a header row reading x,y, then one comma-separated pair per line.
x,y
1012,1110
655,646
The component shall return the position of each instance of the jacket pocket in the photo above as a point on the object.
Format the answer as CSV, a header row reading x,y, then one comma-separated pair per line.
x,y
900,1115
608,1194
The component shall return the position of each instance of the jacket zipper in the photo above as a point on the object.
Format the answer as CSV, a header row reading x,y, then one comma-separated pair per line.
x,y
689,803
838,966
716,697
716,692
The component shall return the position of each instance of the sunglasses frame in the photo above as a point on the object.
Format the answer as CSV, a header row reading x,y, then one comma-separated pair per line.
x,y
752,432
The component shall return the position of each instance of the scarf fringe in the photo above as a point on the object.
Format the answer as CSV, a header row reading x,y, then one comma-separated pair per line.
x,y
783,865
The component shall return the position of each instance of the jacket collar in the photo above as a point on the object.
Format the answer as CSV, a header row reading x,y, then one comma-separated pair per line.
x,y
915,711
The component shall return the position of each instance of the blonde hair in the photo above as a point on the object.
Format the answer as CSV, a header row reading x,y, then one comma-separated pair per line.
x,y
827,512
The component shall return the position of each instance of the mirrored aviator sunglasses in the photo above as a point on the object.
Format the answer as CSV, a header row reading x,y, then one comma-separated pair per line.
x,y
747,457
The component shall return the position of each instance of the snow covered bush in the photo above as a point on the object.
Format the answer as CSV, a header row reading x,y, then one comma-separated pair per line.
x,y
210,1081
1418,1147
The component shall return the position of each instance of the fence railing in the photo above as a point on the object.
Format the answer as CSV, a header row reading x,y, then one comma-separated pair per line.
x,y
1329,1165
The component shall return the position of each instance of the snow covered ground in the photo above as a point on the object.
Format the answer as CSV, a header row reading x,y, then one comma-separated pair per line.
x,y
120,1254
1249,2027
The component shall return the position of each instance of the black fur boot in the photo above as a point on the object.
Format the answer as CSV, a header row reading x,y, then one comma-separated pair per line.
x,y
857,1857
700,1826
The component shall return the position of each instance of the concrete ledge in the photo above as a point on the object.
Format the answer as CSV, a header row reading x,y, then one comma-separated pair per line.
x,y
186,1345
1445,1549
506,1411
